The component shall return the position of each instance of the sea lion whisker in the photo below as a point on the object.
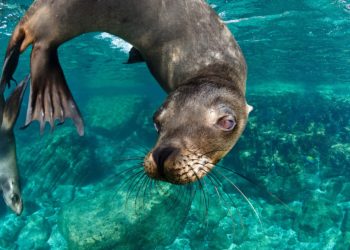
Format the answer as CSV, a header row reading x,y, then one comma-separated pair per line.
x,y
208,152
188,200
112,180
241,218
144,148
179,195
131,178
142,183
145,189
148,191
193,191
127,170
140,158
142,151
158,187
206,203
152,186
136,184
222,199
131,189
135,166
184,192
139,146
163,191
137,187
212,174
244,196
264,188
205,190
174,201
201,198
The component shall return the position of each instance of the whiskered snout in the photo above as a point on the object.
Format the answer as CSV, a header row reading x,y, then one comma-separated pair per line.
x,y
177,166
13,198
16,204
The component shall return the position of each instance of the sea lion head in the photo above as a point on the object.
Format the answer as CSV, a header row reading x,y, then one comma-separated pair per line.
x,y
9,183
12,194
198,125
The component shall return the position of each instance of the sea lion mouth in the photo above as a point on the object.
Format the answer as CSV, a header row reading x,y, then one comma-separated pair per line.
x,y
178,166
13,201
17,206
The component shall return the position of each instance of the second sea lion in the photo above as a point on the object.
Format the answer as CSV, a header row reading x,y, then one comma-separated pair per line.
x,y
9,179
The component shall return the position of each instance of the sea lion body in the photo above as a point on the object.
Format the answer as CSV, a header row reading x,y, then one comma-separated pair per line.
x,y
186,46
9,178
177,39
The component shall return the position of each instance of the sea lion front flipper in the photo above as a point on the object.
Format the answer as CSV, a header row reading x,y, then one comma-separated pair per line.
x,y
134,56
13,104
50,98
11,59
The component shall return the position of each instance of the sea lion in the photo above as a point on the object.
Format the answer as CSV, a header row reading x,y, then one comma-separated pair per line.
x,y
187,48
9,180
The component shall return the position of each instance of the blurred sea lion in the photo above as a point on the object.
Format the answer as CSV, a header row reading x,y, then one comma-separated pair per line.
x,y
9,179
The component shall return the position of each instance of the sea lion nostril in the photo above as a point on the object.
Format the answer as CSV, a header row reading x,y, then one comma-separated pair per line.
x,y
160,155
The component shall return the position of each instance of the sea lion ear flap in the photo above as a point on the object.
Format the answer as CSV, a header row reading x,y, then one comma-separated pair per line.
x,y
13,104
249,108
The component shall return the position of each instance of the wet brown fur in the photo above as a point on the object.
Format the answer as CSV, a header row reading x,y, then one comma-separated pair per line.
x,y
187,48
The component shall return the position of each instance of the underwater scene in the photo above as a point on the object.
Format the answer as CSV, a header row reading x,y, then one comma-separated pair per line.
x,y
285,184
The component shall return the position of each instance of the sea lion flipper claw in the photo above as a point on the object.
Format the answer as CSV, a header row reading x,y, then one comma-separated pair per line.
x,y
50,98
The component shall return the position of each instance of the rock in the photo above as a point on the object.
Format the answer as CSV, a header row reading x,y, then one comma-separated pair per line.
x,y
56,240
63,194
345,225
61,159
105,221
35,233
338,160
343,242
10,228
309,223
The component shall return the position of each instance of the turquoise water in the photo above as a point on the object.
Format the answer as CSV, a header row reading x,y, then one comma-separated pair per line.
x,y
78,193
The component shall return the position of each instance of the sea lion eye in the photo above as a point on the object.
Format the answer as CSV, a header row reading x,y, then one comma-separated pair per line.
x,y
226,123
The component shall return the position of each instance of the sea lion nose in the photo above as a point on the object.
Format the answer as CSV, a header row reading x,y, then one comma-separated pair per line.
x,y
160,155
